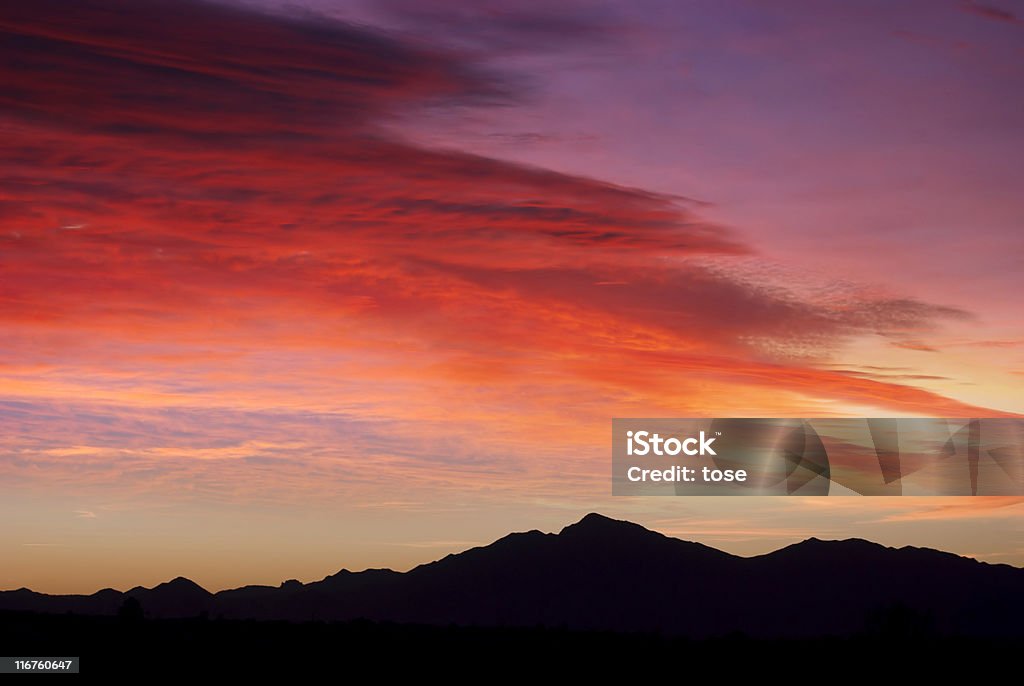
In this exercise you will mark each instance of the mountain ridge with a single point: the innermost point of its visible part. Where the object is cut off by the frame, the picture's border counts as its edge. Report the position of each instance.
(608, 574)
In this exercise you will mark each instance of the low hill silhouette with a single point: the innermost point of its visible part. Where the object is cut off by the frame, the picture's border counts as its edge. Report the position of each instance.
(605, 574)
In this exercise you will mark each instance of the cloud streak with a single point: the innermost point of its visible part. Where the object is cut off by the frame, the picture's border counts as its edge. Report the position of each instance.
(978, 507)
(212, 213)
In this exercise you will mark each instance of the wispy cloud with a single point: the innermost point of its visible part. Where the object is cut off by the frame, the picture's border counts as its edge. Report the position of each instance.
(962, 508)
(991, 12)
(269, 288)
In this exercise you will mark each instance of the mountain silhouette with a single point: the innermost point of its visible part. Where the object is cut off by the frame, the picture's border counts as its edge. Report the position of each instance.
(606, 574)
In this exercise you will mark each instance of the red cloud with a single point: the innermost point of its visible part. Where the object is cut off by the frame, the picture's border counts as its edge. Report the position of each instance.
(191, 184)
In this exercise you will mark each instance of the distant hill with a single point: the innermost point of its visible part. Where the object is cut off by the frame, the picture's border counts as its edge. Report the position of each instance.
(605, 574)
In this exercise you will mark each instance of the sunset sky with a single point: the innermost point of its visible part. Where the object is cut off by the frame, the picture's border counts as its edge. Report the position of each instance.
(287, 287)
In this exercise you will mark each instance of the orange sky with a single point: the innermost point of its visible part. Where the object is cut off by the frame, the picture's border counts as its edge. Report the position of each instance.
(278, 296)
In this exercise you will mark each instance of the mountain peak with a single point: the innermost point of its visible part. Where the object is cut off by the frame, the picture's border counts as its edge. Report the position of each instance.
(817, 547)
(182, 584)
(839, 542)
(595, 523)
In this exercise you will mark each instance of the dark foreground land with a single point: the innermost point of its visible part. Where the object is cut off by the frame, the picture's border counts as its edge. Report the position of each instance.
(144, 648)
(601, 597)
